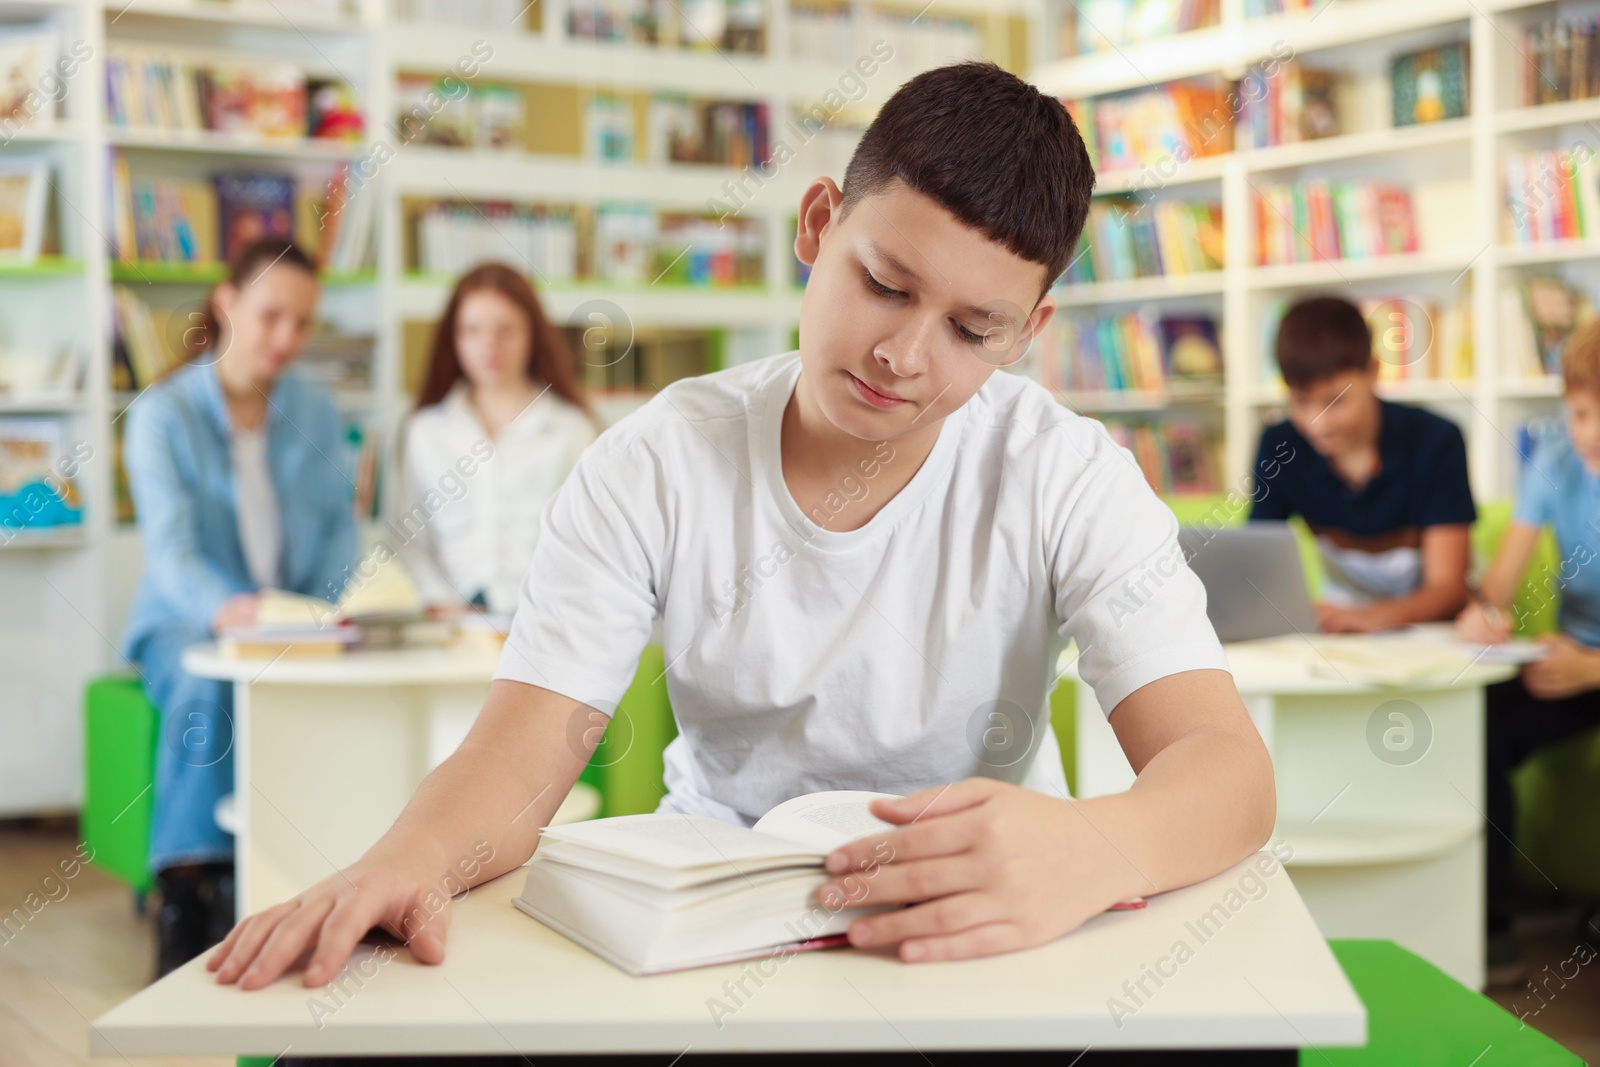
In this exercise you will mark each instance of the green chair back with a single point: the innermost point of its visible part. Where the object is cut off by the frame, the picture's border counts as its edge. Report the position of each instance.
(119, 749)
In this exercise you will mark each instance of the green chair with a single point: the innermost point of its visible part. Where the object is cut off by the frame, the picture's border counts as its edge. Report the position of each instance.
(1558, 790)
(119, 733)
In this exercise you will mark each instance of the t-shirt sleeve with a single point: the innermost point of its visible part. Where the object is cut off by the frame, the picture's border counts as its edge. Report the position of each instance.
(1268, 501)
(1446, 497)
(585, 607)
(1537, 490)
(1123, 590)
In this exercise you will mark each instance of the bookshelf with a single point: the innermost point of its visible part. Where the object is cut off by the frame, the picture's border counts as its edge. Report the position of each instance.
(1455, 168)
(67, 591)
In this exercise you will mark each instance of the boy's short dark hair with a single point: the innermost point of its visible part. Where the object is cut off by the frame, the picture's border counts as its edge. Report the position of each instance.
(993, 150)
(1320, 337)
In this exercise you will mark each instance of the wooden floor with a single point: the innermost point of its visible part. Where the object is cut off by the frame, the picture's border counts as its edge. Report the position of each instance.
(88, 950)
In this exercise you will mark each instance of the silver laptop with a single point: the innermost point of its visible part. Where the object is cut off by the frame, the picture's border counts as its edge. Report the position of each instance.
(1255, 586)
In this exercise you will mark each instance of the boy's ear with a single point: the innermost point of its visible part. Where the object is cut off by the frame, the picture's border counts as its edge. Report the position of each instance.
(821, 204)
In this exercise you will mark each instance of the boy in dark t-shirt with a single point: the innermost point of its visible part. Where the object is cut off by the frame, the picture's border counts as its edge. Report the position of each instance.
(1382, 486)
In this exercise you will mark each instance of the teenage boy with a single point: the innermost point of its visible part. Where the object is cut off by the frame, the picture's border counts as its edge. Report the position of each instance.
(867, 556)
(1382, 486)
(1558, 696)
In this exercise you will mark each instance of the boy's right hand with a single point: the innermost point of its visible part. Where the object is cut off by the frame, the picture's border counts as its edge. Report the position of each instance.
(1482, 625)
(328, 920)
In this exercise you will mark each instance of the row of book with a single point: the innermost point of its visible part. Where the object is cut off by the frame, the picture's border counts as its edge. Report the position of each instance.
(1175, 455)
(837, 38)
(636, 244)
(1537, 315)
(730, 25)
(1273, 104)
(1559, 60)
(1550, 196)
(168, 89)
(453, 113)
(453, 237)
(1125, 239)
(170, 220)
(1139, 350)
(1180, 120)
(1104, 25)
(1292, 103)
(678, 130)
(1316, 220)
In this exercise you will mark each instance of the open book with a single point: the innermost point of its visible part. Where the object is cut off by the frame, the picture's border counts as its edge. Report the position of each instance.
(666, 892)
(376, 605)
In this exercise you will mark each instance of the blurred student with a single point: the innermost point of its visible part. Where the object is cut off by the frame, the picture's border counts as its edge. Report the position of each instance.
(232, 466)
(1558, 696)
(500, 422)
(1382, 486)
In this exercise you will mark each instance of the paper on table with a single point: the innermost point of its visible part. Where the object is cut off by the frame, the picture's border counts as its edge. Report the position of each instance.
(1515, 650)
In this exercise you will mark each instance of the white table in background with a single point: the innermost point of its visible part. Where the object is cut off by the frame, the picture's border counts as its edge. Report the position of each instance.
(1264, 979)
(1382, 848)
(327, 751)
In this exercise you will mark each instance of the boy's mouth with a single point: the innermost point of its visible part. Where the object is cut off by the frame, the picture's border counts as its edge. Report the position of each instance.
(875, 397)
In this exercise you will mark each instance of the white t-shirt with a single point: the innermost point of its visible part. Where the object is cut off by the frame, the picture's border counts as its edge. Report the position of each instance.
(256, 507)
(916, 651)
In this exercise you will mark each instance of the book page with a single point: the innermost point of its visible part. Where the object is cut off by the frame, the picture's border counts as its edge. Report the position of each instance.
(824, 821)
(674, 841)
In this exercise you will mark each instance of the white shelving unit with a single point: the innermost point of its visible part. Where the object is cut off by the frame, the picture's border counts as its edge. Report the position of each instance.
(65, 596)
(1360, 37)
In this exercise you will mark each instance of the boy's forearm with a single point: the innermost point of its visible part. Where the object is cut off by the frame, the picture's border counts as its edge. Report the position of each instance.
(1201, 804)
(494, 793)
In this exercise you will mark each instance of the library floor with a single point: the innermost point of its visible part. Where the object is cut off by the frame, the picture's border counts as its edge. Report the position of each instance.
(88, 950)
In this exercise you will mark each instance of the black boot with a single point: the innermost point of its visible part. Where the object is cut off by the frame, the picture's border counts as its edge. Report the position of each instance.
(181, 920)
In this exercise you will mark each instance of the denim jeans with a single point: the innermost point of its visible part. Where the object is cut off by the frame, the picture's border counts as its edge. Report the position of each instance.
(194, 751)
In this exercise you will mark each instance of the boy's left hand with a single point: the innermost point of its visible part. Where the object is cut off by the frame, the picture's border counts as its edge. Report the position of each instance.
(988, 866)
(1568, 669)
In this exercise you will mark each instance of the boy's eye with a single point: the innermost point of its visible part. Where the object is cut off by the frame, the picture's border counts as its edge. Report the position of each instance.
(877, 286)
(968, 336)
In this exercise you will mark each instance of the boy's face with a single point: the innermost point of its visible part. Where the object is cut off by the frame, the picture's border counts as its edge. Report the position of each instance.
(907, 311)
(1336, 414)
(1583, 426)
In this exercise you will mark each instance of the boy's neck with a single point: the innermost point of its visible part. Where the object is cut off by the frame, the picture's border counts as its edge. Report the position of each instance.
(841, 481)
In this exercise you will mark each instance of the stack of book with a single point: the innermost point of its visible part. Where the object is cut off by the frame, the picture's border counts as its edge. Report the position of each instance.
(1178, 121)
(1537, 315)
(1559, 61)
(1124, 239)
(1137, 350)
(450, 113)
(453, 237)
(1104, 25)
(1430, 85)
(1321, 220)
(1175, 455)
(167, 89)
(727, 133)
(36, 491)
(1293, 103)
(1550, 196)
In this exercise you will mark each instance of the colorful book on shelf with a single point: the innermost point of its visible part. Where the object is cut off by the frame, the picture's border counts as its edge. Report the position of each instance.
(1290, 104)
(1177, 121)
(1105, 25)
(1559, 60)
(36, 491)
(1318, 219)
(1429, 85)
(1123, 239)
(141, 347)
(1139, 350)
(1175, 455)
(23, 203)
(28, 51)
(252, 205)
(1537, 315)
(1551, 196)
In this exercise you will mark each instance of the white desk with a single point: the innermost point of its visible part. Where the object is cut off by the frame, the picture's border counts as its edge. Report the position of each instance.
(1387, 848)
(327, 751)
(1263, 979)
